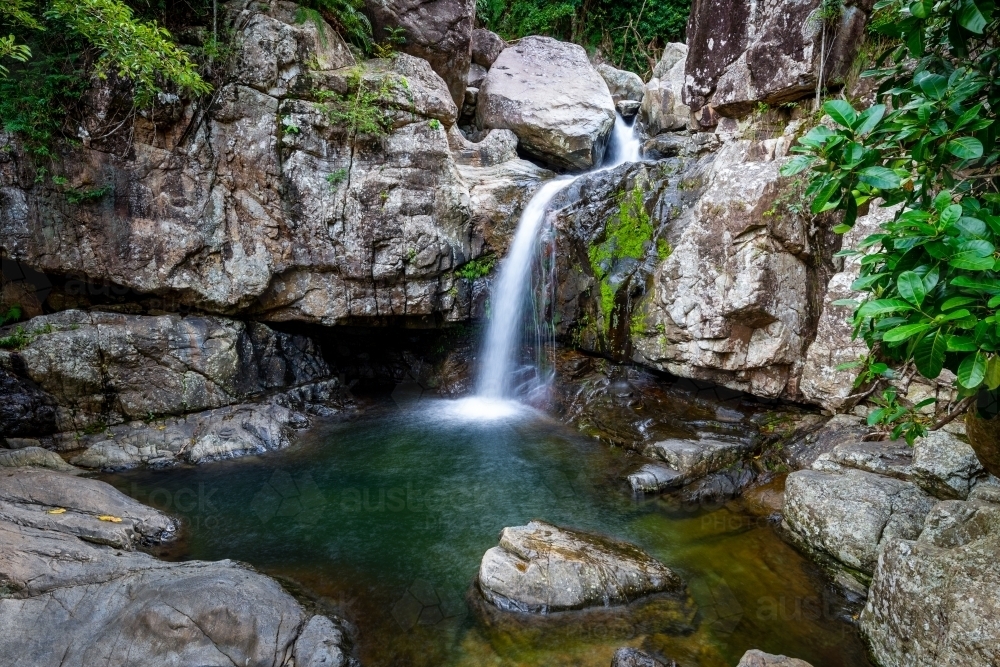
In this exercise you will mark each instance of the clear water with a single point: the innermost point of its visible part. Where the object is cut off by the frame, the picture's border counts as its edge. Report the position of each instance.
(386, 518)
(518, 333)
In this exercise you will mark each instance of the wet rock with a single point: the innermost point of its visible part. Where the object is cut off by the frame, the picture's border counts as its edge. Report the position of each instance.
(46, 500)
(540, 568)
(841, 429)
(933, 599)
(627, 109)
(655, 477)
(212, 435)
(755, 658)
(633, 657)
(440, 32)
(622, 84)
(548, 93)
(322, 643)
(486, 47)
(34, 457)
(105, 368)
(26, 408)
(741, 54)
(844, 515)
(498, 193)
(693, 459)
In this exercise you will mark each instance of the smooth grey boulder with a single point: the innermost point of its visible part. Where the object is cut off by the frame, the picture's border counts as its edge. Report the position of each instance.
(549, 94)
(486, 47)
(933, 600)
(622, 84)
(68, 505)
(673, 53)
(755, 658)
(945, 466)
(34, 457)
(105, 368)
(490, 148)
(195, 438)
(438, 31)
(655, 477)
(844, 515)
(541, 568)
(321, 644)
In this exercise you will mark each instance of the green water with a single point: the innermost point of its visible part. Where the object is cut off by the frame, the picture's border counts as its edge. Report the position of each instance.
(385, 519)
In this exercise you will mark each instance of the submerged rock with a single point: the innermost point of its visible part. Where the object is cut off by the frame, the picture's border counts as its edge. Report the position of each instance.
(693, 459)
(549, 94)
(755, 658)
(933, 600)
(540, 568)
(633, 657)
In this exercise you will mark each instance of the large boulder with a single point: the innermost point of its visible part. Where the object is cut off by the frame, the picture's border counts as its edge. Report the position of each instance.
(755, 658)
(74, 586)
(549, 94)
(104, 368)
(541, 568)
(842, 516)
(663, 108)
(486, 47)
(622, 84)
(265, 204)
(933, 600)
(743, 54)
(733, 302)
(439, 31)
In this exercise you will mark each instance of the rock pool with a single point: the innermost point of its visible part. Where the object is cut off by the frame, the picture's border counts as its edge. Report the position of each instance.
(384, 520)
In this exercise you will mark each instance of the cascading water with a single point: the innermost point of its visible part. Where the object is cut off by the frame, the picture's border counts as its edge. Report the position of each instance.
(501, 357)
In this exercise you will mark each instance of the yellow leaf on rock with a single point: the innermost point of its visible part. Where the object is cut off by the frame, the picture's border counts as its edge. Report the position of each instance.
(108, 517)
(58, 510)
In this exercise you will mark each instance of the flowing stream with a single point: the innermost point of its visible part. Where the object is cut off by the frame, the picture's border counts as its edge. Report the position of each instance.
(502, 371)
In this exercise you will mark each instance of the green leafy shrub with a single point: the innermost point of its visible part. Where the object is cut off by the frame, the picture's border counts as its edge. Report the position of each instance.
(362, 111)
(477, 268)
(932, 274)
(347, 16)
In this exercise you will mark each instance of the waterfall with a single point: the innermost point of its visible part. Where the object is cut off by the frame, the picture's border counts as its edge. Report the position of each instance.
(502, 372)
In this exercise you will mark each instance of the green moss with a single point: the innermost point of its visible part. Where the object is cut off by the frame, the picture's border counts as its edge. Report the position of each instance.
(16, 340)
(626, 235)
(663, 249)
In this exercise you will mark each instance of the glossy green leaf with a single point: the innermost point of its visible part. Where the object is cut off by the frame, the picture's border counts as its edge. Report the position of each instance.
(971, 261)
(992, 378)
(930, 353)
(879, 177)
(932, 85)
(972, 371)
(883, 307)
(899, 334)
(966, 148)
(869, 118)
(911, 287)
(841, 112)
(970, 18)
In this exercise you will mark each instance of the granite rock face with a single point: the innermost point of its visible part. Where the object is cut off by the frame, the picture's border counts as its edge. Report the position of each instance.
(663, 107)
(439, 31)
(735, 302)
(549, 94)
(486, 47)
(261, 206)
(933, 598)
(104, 368)
(541, 568)
(743, 53)
(622, 84)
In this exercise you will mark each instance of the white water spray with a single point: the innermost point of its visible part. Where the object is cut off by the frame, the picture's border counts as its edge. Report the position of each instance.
(501, 353)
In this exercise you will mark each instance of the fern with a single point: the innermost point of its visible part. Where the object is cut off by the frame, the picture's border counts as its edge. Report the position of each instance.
(345, 15)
